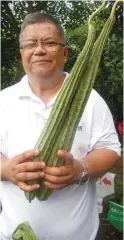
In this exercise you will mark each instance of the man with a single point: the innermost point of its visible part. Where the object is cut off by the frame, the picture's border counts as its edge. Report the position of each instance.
(70, 213)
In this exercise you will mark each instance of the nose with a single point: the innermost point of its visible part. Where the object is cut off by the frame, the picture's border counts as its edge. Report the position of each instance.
(40, 49)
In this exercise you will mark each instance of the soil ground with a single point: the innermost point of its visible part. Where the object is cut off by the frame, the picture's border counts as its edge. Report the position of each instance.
(107, 231)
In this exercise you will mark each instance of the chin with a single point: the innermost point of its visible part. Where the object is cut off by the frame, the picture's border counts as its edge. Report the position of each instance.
(42, 73)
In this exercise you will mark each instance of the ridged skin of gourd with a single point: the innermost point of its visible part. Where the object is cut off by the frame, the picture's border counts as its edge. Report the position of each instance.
(61, 106)
(64, 141)
(63, 137)
(80, 63)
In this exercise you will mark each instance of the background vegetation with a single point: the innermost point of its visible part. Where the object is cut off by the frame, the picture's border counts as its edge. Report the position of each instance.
(73, 15)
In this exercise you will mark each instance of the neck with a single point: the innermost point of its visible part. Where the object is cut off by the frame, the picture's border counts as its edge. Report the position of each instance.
(46, 88)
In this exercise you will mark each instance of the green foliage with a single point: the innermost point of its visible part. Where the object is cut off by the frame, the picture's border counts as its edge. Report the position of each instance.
(75, 39)
(13, 74)
(109, 82)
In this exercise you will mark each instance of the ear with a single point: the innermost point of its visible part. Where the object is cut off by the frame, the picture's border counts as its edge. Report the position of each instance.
(65, 52)
(21, 52)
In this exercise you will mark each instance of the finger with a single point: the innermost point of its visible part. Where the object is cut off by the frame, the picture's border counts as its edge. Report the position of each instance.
(58, 180)
(66, 156)
(56, 171)
(24, 176)
(54, 186)
(28, 188)
(26, 155)
(29, 166)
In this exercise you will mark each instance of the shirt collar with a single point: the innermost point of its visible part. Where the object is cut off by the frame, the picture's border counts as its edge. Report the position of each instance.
(26, 92)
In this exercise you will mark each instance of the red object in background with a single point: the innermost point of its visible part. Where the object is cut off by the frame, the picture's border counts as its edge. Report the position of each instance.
(106, 181)
(120, 127)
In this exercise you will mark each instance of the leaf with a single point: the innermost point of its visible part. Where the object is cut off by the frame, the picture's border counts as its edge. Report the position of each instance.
(24, 232)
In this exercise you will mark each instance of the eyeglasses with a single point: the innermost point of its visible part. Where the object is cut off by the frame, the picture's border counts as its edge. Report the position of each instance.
(47, 45)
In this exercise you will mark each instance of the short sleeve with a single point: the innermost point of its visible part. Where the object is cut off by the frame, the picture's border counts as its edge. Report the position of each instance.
(1, 141)
(104, 134)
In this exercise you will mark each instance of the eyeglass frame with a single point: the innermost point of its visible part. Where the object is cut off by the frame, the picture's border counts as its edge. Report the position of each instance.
(42, 43)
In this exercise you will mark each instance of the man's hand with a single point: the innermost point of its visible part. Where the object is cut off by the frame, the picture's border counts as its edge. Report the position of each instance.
(59, 177)
(19, 170)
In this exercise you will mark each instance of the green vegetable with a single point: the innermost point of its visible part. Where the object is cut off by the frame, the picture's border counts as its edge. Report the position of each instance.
(24, 232)
(60, 129)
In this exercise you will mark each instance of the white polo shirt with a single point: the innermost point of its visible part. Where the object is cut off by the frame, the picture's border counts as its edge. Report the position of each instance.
(70, 213)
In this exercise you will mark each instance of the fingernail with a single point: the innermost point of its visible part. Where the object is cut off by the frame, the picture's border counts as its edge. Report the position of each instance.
(36, 152)
(59, 151)
(37, 186)
(42, 164)
(41, 174)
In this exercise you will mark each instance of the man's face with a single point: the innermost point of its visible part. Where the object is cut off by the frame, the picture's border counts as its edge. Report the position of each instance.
(42, 60)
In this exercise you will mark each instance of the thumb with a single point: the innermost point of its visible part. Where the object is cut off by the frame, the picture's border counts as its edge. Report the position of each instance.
(66, 156)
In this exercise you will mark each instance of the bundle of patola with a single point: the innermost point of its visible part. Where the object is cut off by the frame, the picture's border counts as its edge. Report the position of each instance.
(60, 129)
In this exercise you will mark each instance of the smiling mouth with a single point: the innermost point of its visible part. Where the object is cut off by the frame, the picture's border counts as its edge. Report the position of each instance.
(42, 61)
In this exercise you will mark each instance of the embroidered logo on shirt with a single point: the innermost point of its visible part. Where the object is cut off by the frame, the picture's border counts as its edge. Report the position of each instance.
(79, 128)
